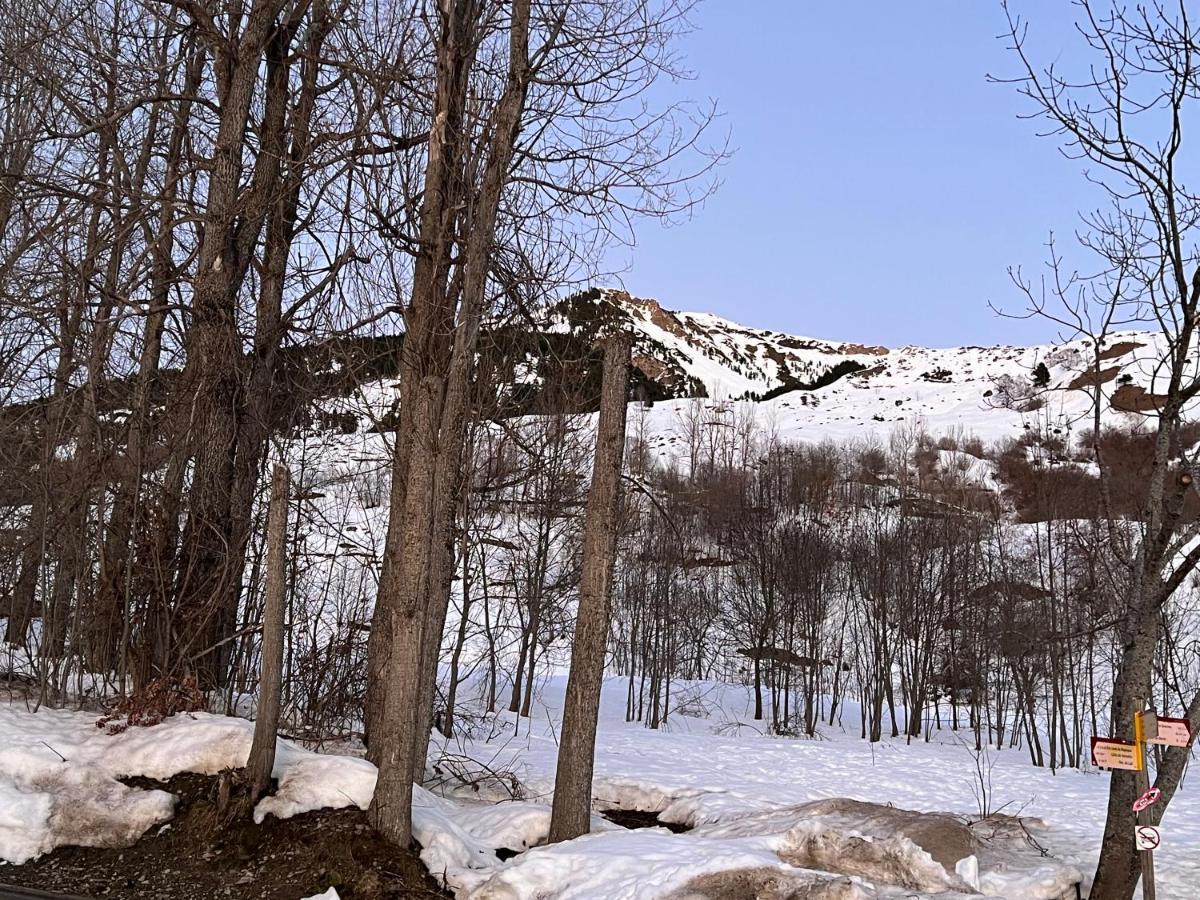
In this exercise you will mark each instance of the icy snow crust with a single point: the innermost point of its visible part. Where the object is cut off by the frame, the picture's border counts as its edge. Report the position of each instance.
(745, 793)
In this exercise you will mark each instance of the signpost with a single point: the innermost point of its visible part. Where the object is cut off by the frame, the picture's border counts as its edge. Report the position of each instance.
(1145, 728)
(1114, 753)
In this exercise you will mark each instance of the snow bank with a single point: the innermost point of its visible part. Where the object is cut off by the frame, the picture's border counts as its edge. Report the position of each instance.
(621, 865)
(928, 852)
(703, 771)
(59, 777)
(827, 849)
(59, 786)
(918, 851)
(761, 806)
(311, 781)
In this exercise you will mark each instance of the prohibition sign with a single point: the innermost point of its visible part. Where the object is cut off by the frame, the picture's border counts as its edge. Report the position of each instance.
(1148, 837)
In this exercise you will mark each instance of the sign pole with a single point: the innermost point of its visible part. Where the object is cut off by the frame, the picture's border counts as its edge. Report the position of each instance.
(1145, 727)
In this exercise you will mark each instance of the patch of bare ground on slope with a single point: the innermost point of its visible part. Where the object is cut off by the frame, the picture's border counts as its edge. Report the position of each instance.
(210, 852)
(636, 818)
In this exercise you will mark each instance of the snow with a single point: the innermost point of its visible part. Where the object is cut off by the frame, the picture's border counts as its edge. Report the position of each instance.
(756, 802)
(947, 392)
(622, 866)
(59, 776)
(711, 772)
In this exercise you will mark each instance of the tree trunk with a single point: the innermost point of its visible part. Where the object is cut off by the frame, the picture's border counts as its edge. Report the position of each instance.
(401, 590)
(214, 375)
(479, 233)
(425, 320)
(576, 752)
(266, 724)
(1120, 868)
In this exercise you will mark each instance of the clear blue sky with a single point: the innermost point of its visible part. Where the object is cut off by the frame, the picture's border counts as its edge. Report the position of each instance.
(881, 186)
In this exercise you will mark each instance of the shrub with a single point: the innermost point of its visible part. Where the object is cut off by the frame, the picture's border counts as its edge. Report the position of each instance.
(158, 700)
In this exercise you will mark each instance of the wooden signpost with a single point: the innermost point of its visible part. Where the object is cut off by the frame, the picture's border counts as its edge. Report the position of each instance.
(1114, 753)
(1145, 728)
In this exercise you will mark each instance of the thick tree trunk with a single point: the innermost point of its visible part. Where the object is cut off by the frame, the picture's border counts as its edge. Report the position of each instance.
(414, 586)
(393, 737)
(214, 375)
(479, 231)
(1119, 869)
(292, 140)
(426, 319)
(576, 751)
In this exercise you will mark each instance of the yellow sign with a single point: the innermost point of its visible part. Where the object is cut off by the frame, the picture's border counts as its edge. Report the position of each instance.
(1113, 753)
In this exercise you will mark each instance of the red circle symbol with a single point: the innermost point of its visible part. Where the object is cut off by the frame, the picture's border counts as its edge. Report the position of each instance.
(1148, 837)
(1147, 799)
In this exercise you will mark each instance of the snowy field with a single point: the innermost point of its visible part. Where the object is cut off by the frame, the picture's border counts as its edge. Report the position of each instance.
(712, 771)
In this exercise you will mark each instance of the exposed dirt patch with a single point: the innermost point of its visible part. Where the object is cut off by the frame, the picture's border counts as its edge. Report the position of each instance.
(861, 350)
(636, 818)
(1133, 398)
(877, 842)
(1119, 349)
(652, 368)
(658, 316)
(768, 884)
(1092, 378)
(202, 852)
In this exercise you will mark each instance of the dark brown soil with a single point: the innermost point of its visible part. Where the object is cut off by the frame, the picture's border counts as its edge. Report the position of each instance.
(636, 818)
(207, 852)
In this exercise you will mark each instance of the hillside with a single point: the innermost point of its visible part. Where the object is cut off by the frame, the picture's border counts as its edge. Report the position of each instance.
(806, 388)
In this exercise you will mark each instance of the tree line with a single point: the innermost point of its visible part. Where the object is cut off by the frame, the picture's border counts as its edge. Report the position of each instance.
(191, 187)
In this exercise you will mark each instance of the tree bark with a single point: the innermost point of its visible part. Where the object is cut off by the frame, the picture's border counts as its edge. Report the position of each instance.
(1119, 869)
(394, 734)
(266, 724)
(479, 232)
(576, 752)
(214, 375)
(424, 341)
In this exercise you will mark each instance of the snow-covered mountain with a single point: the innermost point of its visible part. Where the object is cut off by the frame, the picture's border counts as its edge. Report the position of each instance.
(814, 389)
(700, 354)
(700, 368)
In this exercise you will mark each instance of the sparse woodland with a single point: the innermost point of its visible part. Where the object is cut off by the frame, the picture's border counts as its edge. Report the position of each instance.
(205, 205)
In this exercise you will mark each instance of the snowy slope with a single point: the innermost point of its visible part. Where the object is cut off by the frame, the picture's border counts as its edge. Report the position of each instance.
(845, 392)
(725, 358)
(722, 359)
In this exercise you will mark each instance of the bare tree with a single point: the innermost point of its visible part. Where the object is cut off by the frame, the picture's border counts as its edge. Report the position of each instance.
(552, 80)
(1125, 118)
(266, 726)
(576, 749)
